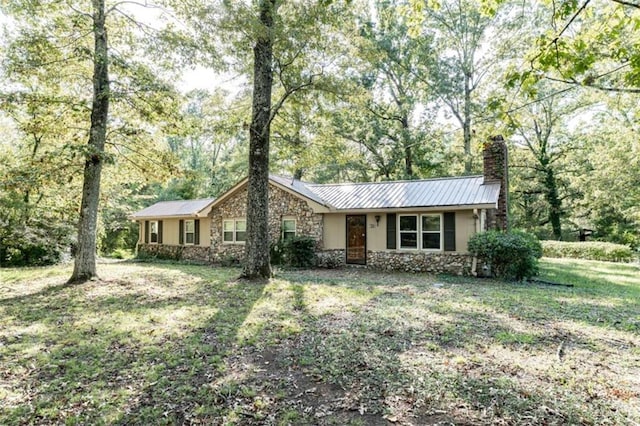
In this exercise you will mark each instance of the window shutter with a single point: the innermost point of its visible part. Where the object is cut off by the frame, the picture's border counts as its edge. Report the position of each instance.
(159, 232)
(449, 231)
(146, 232)
(196, 230)
(181, 232)
(391, 230)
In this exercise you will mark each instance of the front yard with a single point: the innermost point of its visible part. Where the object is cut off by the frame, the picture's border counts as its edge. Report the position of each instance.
(180, 344)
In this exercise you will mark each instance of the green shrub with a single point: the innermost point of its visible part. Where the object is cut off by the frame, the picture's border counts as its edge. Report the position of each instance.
(511, 255)
(33, 245)
(588, 250)
(299, 252)
(121, 253)
(276, 253)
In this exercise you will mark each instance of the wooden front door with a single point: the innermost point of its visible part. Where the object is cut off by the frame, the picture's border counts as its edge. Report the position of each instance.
(357, 239)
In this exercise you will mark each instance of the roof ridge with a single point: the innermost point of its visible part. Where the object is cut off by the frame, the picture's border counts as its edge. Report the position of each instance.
(394, 181)
(189, 200)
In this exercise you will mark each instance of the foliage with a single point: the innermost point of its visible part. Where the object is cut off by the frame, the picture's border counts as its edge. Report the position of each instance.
(591, 43)
(172, 343)
(511, 255)
(588, 250)
(298, 251)
(38, 244)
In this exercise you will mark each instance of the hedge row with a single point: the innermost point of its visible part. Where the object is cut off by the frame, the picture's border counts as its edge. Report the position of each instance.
(590, 250)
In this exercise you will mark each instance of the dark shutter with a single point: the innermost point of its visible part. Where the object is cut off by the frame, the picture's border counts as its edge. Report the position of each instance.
(391, 230)
(196, 229)
(181, 232)
(449, 231)
(146, 232)
(159, 232)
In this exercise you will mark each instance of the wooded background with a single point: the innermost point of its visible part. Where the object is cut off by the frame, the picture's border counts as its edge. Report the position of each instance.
(362, 91)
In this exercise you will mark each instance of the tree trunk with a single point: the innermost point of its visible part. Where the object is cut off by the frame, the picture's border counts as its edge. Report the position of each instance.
(257, 245)
(408, 155)
(85, 257)
(466, 125)
(555, 204)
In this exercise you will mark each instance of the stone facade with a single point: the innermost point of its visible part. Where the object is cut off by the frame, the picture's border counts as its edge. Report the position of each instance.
(435, 263)
(330, 258)
(282, 205)
(198, 254)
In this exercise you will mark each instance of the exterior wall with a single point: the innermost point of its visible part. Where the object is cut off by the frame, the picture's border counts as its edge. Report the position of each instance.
(376, 232)
(335, 236)
(335, 230)
(191, 253)
(465, 229)
(171, 229)
(437, 263)
(282, 205)
(170, 232)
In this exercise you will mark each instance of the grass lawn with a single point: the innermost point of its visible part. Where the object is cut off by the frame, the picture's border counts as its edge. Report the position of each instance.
(180, 344)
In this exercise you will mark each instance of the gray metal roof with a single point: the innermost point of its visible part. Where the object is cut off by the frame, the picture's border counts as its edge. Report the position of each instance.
(174, 208)
(457, 191)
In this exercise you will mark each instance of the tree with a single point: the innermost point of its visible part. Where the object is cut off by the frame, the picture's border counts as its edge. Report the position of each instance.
(257, 245)
(288, 57)
(471, 43)
(593, 43)
(48, 66)
(385, 110)
(611, 182)
(84, 267)
(542, 158)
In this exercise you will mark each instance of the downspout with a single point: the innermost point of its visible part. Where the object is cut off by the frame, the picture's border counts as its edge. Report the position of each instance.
(474, 261)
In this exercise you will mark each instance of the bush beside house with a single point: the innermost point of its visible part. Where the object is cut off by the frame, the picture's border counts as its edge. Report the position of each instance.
(511, 255)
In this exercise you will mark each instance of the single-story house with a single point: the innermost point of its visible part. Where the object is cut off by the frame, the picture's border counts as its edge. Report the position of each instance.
(176, 229)
(415, 225)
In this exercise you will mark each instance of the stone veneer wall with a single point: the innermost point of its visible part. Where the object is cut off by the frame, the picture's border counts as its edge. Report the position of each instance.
(436, 263)
(282, 204)
(188, 253)
(330, 258)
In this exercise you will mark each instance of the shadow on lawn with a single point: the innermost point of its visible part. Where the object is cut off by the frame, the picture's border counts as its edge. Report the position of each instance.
(264, 355)
(102, 359)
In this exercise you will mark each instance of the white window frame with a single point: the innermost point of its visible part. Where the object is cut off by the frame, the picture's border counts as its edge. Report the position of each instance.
(186, 232)
(234, 231)
(151, 226)
(285, 231)
(440, 231)
(420, 233)
(417, 232)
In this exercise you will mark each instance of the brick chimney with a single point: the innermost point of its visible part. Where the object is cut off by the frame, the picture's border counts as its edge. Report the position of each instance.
(496, 170)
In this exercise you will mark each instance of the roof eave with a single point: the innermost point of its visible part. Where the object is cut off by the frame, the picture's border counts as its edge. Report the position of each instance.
(415, 208)
(162, 217)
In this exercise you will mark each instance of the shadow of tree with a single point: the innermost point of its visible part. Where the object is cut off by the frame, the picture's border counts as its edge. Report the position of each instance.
(336, 350)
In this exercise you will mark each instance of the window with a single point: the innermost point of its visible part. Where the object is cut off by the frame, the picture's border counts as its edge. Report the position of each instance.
(234, 231)
(420, 232)
(153, 231)
(431, 231)
(409, 232)
(189, 232)
(288, 229)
